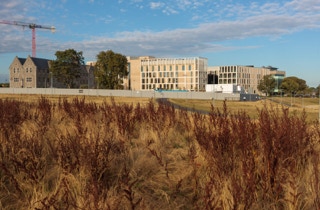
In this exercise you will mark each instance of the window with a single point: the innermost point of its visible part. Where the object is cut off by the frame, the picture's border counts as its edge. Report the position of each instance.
(170, 68)
(16, 79)
(27, 70)
(189, 67)
(164, 68)
(29, 79)
(182, 67)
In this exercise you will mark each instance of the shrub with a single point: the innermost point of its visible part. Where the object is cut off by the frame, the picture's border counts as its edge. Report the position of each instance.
(80, 155)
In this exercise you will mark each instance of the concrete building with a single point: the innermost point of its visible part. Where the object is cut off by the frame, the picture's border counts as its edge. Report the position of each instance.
(151, 73)
(33, 72)
(247, 77)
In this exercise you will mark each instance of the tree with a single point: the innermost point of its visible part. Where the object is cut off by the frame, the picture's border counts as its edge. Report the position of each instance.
(293, 85)
(66, 67)
(110, 70)
(267, 84)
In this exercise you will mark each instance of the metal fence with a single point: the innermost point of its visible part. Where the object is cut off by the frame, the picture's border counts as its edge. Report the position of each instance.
(123, 93)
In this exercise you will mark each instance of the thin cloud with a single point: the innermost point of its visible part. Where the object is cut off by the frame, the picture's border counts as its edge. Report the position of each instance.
(203, 38)
(251, 20)
(156, 5)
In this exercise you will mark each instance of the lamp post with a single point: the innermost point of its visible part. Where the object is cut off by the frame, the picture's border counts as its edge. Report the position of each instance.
(51, 80)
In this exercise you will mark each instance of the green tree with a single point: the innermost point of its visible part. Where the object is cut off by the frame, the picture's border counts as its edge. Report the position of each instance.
(267, 84)
(66, 67)
(293, 85)
(110, 70)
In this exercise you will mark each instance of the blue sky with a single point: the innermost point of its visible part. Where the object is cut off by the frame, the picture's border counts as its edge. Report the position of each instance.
(281, 33)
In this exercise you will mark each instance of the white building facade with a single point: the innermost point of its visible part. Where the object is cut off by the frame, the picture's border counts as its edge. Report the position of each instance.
(150, 73)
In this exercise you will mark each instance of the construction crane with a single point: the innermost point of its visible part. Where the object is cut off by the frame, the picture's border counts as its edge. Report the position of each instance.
(33, 27)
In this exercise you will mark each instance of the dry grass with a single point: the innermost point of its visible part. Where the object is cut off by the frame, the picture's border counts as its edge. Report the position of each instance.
(308, 105)
(56, 98)
(73, 153)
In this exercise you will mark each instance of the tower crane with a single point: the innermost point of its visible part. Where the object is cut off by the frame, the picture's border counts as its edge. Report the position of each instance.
(33, 27)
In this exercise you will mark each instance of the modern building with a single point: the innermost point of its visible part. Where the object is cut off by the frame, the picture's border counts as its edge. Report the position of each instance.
(33, 72)
(248, 77)
(151, 73)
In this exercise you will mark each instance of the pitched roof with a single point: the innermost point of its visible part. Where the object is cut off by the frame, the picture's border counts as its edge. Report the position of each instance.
(41, 63)
(22, 60)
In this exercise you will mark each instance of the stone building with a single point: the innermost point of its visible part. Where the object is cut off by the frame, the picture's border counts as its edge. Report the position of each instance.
(33, 72)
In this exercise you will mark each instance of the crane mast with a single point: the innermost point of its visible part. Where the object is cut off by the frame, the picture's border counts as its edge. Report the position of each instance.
(33, 27)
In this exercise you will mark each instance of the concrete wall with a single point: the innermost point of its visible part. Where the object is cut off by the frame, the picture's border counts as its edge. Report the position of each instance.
(122, 93)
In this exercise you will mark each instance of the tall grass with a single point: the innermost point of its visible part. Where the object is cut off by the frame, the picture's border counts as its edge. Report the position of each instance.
(81, 155)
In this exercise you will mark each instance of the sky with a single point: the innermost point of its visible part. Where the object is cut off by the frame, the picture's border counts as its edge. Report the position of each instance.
(279, 33)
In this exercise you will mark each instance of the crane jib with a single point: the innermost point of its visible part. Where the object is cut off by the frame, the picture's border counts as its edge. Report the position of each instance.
(31, 26)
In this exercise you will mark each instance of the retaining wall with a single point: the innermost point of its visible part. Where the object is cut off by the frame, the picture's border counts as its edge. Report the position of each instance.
(122, 93)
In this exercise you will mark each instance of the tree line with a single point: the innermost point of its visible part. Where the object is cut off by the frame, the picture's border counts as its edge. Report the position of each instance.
(110, 68)
(290, 85)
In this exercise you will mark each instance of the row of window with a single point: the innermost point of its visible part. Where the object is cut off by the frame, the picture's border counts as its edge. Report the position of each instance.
(233, 75)
(228, 69)
(169, 80)
(164, 86)
(165, 61)
(169, 87)
(164, 74)
(164, 68)
(28, 79)
(17, 70)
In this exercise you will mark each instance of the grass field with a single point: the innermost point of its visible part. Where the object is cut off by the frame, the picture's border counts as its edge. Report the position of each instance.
(132, 153)
(56, 98)
(298, 105)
